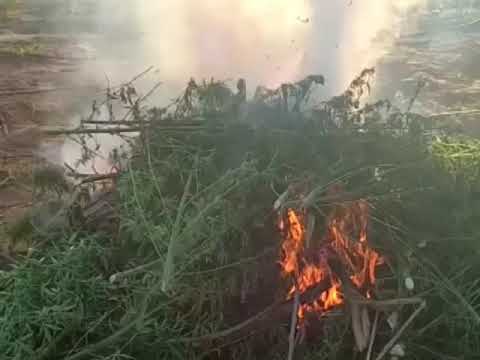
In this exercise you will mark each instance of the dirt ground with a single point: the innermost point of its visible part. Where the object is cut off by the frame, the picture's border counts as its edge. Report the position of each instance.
(38, 87)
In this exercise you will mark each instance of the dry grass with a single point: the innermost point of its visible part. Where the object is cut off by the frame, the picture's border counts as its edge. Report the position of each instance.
(17, 168)
(22, 49)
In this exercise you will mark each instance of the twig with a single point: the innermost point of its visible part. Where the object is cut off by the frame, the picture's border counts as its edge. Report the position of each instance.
(355, 297)
(279, 306)
(99, 177)
(293, 324)
(111, 122)
(474, 22)
(142, 99)
(91, 131)
(373, 335)
(251, 259)
(420, 86)
(459, 112)
(382, 304)
(138, 76)
(430, 324)
(400, 331)
(114, 131)
(92, 154)
(130, 82)
(6, 181)
(160, 122)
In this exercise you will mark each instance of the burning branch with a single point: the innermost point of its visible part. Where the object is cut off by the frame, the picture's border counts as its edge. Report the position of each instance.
(271, 316)
(346, 237)
(293, 324)
(345, 261)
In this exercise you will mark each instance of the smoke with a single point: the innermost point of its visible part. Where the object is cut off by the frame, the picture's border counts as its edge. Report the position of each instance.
(264, 41)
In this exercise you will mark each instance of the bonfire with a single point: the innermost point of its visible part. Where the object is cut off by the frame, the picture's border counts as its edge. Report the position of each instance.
(194, 263)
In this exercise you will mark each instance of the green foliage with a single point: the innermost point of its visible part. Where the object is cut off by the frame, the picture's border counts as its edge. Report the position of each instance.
(51, 298)
(459, 156)
(196, 231)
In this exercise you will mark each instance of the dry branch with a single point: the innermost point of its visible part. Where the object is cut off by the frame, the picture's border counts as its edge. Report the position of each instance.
(113, 131)
(293, 324)
(147, 122)
(458, 112)
(91, 131)
(273, 315)
(100, 177)
(373, 335)
(113, 122)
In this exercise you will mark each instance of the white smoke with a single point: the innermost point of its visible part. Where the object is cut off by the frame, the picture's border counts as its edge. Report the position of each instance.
(264, 41)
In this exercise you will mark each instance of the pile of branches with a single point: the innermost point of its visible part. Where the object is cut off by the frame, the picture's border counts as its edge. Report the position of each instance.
(188, 266)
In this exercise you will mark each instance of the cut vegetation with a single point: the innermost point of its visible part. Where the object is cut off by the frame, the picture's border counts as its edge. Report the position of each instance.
(184, 253)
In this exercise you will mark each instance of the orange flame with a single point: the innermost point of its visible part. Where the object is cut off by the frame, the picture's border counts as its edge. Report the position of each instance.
(347, 235)
(293, 244)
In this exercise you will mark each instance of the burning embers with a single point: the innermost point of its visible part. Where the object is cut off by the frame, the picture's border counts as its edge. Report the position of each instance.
(345, 238)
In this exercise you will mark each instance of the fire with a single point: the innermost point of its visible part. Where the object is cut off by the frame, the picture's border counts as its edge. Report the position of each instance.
(346, 234)
(294, 242)
(332, 297)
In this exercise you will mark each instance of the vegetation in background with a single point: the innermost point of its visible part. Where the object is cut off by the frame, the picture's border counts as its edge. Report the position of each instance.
(7, 7)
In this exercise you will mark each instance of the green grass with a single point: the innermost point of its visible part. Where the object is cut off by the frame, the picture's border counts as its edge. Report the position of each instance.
(52, 297)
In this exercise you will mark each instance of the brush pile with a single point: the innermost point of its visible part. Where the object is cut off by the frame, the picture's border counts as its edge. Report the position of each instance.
(262, 229)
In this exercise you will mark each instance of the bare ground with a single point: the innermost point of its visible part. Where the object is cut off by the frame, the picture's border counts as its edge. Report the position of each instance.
(38, 87)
